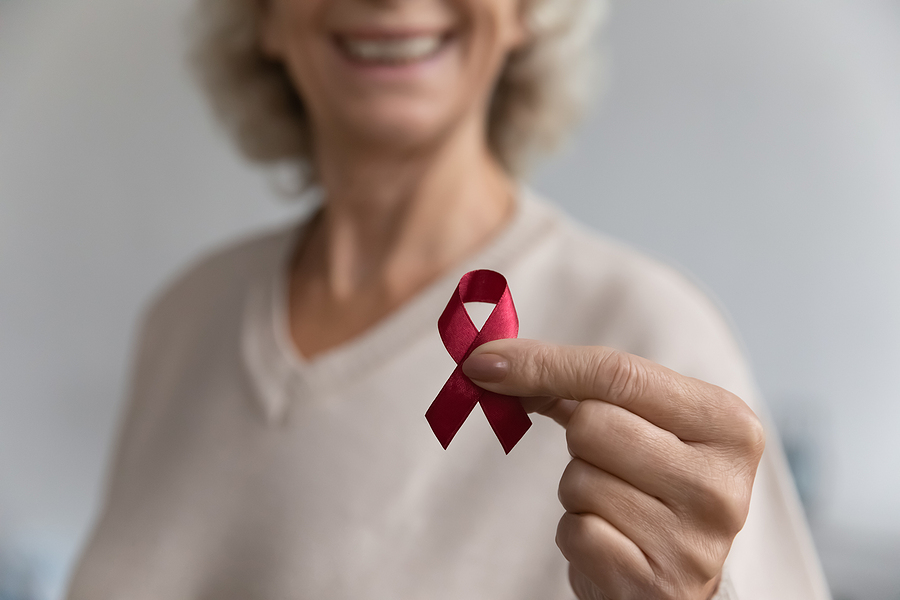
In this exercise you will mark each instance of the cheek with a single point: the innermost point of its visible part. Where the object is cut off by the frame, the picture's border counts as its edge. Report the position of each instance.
(493, 31)
(300, 44)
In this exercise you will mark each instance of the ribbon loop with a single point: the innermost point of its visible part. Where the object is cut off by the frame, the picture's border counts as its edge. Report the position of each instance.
(459, 395)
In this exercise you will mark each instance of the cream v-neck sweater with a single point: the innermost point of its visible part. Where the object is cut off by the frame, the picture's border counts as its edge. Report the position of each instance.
(245, 472)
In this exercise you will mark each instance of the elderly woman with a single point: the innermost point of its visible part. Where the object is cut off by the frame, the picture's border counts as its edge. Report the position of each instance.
(275, 445)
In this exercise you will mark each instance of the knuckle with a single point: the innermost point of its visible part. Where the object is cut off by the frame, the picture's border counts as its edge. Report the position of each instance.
(576, 535)
(701, 561)
(690, 566)
(573, 487)
(752, 433)
(543, 361)
(570, 534)
(746, 430)
(618, 377)
(721, 504)
(584, 427)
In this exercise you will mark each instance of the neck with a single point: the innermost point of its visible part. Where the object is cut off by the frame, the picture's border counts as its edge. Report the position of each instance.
(392, 223)
(396, 220)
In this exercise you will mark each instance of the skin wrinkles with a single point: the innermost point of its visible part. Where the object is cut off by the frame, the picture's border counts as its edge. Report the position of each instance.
(649, 515)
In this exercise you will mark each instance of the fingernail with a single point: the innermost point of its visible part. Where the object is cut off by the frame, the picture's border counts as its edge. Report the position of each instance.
(489, 368)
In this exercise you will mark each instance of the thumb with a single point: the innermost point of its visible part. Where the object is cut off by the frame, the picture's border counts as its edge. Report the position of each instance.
(518, 367)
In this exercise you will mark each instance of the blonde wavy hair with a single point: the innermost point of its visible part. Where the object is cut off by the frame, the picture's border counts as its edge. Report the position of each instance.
(539, 95)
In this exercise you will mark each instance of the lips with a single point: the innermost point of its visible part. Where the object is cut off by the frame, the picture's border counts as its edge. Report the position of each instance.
(391, 49)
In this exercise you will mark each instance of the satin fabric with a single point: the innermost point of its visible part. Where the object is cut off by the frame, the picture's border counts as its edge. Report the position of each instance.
(459, 395)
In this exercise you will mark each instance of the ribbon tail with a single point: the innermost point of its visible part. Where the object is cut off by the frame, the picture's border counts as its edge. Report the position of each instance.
(452, 407)
(507, 417)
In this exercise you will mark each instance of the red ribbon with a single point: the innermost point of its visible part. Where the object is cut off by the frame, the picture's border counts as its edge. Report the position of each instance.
(459, 395)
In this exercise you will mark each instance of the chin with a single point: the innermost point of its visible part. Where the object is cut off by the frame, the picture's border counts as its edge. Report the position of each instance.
(402, 125)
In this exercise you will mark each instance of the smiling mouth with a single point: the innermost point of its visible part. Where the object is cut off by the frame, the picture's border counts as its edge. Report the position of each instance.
(392, 50)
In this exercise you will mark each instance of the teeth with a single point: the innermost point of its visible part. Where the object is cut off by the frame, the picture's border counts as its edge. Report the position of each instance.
(397, 50)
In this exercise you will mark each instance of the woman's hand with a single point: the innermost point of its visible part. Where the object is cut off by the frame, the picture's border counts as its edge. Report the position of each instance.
(662, 468)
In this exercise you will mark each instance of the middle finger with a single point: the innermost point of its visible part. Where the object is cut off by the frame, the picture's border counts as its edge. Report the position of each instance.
(584, 488)
(619, 442)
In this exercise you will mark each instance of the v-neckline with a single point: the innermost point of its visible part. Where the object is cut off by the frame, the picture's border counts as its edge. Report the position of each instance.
(279, 372)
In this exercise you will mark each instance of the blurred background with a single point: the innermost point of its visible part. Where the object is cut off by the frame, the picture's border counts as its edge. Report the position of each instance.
(754, 143)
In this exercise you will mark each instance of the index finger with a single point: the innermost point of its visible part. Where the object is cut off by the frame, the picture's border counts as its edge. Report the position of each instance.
(691, 409)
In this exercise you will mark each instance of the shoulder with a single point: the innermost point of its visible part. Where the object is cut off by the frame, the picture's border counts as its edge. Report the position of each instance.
(594, 290)
(209, 293)
(639, 289)
(192, 325)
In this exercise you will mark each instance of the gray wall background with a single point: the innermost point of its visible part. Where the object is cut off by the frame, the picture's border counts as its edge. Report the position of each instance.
(754, 143)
